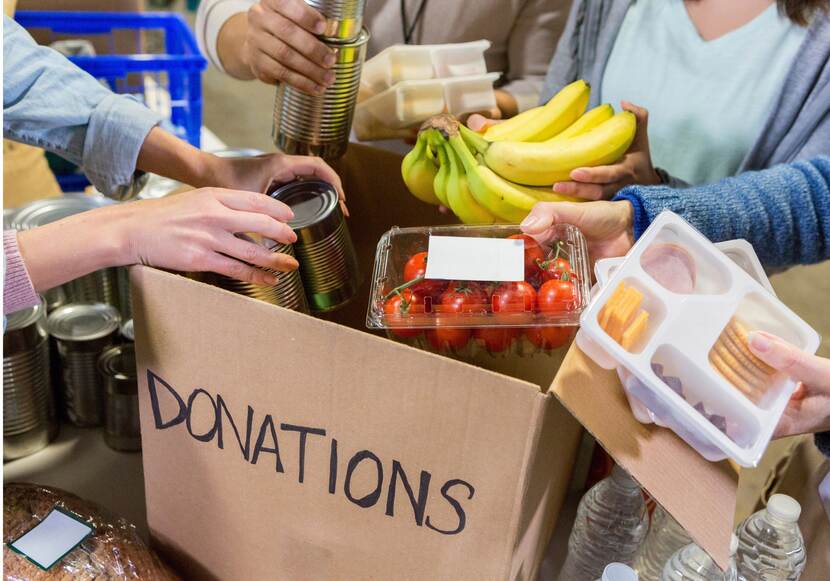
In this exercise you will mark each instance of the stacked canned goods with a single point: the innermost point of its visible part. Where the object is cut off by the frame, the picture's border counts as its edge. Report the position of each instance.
(83, 332)
(320, 125)
(29, 414)
(122, 430)
(288, 292)
(328, 263)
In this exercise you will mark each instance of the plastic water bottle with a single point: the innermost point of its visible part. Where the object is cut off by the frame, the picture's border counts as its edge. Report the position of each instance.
(618, 572)
(611, 523)
(691, 563)
(770, 545)
(665, 537)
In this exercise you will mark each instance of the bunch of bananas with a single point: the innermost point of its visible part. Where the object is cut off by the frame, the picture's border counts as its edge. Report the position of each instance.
(497, 177)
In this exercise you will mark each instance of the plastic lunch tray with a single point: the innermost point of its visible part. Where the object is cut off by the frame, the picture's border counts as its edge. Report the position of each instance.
(682, 330)
(410, 102)
(420, 62)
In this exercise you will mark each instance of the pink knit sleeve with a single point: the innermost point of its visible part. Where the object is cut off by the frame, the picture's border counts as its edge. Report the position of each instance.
(18, 291)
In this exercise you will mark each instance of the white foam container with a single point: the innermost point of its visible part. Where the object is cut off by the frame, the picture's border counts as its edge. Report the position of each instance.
(411, 102)
(682, 329)
(403, 62)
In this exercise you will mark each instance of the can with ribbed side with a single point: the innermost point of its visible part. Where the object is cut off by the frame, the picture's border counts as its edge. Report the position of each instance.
(128, 332)
(122, 430)
(287, 293)
(328, 262)
(125, 300)
(320, 125)
(29, 415)
(344, 18)
(83, 332)
(98, 286)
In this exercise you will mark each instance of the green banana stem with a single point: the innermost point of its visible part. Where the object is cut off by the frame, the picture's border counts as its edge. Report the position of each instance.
(461, 149)
(473, 139)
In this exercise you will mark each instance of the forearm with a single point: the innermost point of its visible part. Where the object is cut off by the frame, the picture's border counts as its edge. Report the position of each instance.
(229, 47)
(70, 248)
(784, 212)
(167, 155)
(221, 26)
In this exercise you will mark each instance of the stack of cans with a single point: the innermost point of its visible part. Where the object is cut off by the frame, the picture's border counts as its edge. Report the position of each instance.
(29, 413)
(328, 262)
(287, 293)
(320, 125)
(122, 429)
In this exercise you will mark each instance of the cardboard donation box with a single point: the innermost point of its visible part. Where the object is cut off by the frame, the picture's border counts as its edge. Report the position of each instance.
(283, 446)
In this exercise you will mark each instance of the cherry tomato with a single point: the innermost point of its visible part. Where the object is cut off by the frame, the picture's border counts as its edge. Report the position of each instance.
(415, 267)
(401, 305)
(556, 269)
(533, 254)
(464, 298)
(557, 296)
(514, 297)
(443, 338)
(549, 337)
(496, 339)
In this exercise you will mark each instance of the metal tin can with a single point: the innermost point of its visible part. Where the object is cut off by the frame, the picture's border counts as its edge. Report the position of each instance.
(125, 298)
(288, 292)
(328, 262)
(83, 332)
(320, 125)
(98, 287)
(122, 430)
(344, 18)
(29, 414)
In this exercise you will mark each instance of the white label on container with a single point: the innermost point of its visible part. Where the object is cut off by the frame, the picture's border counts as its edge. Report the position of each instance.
(480, 259)
(51, 539)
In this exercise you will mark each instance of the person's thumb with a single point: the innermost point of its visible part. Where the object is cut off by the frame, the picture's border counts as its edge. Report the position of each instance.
(546, 214)
(479, 123)
(800, 366)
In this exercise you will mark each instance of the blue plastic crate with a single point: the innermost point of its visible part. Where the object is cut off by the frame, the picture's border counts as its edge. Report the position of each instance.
(166, 72)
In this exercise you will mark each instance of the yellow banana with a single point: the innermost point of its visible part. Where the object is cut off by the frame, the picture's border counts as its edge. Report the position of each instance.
(585, 123)
(443, 175)
(510, 205)
(558, 114)
(461, 200)
(418, 170)
(543, 164)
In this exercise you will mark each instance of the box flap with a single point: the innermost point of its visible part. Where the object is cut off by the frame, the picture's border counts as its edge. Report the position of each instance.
(320, 410)
(701, 495)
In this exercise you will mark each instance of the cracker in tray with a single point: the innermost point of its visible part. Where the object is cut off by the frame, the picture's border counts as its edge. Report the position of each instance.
(731, 357)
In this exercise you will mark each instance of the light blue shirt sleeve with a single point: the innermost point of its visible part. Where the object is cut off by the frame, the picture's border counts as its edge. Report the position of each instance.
(50, 103)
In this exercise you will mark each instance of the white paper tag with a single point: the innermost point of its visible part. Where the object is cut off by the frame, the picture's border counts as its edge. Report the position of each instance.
(479, 259)
(51, 539)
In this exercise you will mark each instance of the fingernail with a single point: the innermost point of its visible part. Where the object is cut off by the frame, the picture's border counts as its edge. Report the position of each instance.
(759, 342)
(293, 264)
(293, 237)
(319, 90)
(320, 27)
(579, 174)
(529, 221)
(559, 187)
(270, 279)
(330, 60)
(329, 78)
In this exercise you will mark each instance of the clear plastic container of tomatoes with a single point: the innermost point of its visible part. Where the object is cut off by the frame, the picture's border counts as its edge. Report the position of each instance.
(535, 310)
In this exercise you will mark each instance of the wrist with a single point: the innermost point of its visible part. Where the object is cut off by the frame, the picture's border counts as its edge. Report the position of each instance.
(115, 227)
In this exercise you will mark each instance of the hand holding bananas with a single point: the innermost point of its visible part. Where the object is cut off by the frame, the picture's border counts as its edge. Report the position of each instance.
(603, 182)
(500, 175)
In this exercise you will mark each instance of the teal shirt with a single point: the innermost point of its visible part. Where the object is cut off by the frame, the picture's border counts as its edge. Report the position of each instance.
(707, 101)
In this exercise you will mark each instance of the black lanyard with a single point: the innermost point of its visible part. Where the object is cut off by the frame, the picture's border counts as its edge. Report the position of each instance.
(408, 30)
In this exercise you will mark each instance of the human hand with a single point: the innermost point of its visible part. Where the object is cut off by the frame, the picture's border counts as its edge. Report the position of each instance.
(480, 123)
(280, 45)
(256, 174)
(809, 408)
(607, 226)
(602, 182)
(195, 232)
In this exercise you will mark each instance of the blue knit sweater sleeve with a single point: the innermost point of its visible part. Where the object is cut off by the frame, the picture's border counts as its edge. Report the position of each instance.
(784, 211)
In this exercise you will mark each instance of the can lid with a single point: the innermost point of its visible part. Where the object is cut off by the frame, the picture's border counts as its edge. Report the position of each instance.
(311, 200)
(83, 322)
(127, 330)
(50, 210)
(119, 362)
(24, 318)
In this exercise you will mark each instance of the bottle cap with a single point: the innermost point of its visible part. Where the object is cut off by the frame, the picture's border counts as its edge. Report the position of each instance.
(784, 507)
(619, 572)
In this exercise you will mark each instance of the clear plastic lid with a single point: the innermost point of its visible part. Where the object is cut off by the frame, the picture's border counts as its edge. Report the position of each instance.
(478, 276)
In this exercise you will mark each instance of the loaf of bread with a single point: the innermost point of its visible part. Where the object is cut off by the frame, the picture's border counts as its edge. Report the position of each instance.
(114, 551)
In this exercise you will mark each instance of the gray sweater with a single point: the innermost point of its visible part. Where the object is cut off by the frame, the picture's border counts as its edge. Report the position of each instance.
(799, 126)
